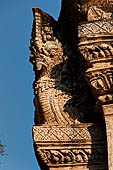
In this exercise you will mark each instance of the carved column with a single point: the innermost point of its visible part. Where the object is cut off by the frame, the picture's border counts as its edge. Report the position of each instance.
(72, 61)
(108, 114)
(96, 48)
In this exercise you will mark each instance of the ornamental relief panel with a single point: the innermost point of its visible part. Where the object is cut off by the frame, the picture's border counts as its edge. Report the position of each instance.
(66, 156)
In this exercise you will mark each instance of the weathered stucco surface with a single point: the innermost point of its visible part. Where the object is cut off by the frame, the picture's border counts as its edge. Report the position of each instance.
(73, 64)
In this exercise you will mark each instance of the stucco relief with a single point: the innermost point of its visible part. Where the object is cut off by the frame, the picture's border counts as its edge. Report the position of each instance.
(73, 64)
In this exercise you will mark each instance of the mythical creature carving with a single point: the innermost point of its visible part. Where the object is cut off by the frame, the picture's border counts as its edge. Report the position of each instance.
(73, 65)
(60, 89)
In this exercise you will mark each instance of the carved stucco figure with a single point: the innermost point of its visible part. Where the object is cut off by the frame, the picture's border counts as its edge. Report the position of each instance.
(60, 88)
(72, 60)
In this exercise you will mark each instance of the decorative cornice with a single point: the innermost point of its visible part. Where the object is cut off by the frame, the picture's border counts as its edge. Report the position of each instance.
(79, 146)
(96, 29)
(80, 133)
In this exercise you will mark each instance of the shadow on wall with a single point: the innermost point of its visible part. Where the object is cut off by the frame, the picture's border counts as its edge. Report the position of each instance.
(98, 158)
(70, 80)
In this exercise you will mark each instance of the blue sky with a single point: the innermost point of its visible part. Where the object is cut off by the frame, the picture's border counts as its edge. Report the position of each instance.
(16, 75)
